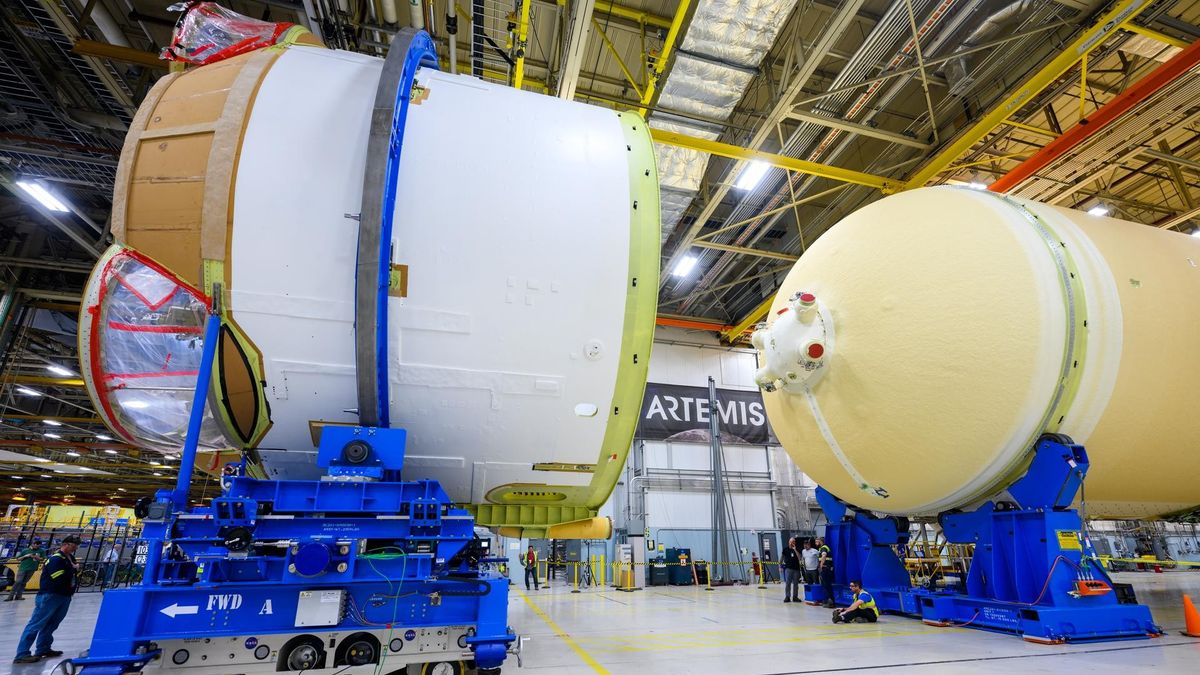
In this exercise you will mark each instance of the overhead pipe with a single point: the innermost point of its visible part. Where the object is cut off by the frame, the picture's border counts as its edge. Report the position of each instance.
(1181, 64)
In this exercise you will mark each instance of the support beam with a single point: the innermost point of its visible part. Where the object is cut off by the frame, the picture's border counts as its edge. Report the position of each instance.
(522, 39)
(790, 163)
(861, 129)
(756, 315)
(103, 50)
(1173, 222)
(579, 28)
(1174, 160)
(1114, 19)
(44, 381)
(1156, 35)
(1115, 109)
(691, 324)
(632, 14)
(612, 50)
(1181, 185)
(746, 251)
(664, 57)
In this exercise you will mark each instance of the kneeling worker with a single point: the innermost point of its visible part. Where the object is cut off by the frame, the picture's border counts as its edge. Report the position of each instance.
(862, 610)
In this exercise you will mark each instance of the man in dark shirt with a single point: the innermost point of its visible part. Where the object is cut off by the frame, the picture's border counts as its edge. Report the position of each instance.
(28, 561)
(790, 563)
(53, 599)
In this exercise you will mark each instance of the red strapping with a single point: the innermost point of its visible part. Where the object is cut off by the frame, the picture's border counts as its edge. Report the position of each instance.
(196, 330)
(138, 376)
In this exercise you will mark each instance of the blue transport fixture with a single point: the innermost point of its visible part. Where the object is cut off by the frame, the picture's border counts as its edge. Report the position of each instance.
(359, 572)
(1033, 573)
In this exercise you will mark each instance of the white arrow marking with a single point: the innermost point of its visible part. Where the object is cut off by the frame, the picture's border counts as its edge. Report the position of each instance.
(175, 610)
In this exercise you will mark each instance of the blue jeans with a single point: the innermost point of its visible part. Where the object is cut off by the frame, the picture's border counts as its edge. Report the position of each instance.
(50, 610)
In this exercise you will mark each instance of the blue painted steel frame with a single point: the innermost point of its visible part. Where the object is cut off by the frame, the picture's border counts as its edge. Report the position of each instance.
(1030, 553)
(421, 53)
(398, 550)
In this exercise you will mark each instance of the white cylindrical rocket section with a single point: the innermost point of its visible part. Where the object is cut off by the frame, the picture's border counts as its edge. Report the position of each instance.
(524, 260)
(918, 349)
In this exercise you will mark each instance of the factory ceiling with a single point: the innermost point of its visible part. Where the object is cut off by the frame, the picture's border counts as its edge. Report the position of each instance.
(904, 92)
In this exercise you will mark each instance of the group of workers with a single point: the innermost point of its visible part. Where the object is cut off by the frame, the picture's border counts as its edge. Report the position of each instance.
(813, 564)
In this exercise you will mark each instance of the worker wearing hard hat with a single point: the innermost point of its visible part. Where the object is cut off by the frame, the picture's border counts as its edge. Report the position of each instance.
(862, 610)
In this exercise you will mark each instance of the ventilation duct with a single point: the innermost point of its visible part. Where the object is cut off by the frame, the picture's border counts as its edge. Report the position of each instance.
(718, 58)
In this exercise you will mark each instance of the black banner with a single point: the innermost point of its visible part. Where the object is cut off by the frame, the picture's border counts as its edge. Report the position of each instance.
(678, 413)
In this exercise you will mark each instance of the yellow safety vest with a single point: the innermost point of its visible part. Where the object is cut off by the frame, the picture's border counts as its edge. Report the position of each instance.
(868, 605)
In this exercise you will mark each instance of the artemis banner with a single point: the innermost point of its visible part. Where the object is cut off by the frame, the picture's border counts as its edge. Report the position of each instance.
(678, 413)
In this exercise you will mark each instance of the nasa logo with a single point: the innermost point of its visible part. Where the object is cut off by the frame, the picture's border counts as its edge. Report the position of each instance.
(251, 642)
(410, 635)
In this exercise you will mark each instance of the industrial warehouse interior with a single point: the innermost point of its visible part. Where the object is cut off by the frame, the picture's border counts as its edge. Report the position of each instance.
(348, 337)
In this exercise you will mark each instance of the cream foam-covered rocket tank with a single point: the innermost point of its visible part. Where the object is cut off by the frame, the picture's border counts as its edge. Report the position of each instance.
(514, 311)
(918, 350)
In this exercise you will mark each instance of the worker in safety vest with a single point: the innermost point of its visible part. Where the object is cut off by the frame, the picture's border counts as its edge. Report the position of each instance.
(825, 563)
(862, 610)
(53, 600)
(529, 561)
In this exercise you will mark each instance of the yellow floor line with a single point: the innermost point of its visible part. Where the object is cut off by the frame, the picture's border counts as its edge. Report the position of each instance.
(579, 651)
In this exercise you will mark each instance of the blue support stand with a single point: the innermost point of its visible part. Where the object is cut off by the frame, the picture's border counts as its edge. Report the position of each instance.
(358, 572)
(1033, 573)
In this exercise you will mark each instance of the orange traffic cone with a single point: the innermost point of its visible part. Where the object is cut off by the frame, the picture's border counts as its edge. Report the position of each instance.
(1191, 618)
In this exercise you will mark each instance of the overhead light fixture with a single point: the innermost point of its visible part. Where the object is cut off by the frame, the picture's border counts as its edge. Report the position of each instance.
(110, 451)
(28, 392)
(72, 453)
(49, 435)
(157, 473)
(976, 185)
(155, 464)
(52, 423)
(57, 471)
(684, 266)
(45, 475)
(121, 490)
(751, 175)
(1098, 210)
(16, 477)
(102, 437)
(59, 370)
(42, 195)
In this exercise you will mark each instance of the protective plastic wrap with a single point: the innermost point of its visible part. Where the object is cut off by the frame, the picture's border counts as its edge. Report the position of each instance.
(143, 346)
(207, 32)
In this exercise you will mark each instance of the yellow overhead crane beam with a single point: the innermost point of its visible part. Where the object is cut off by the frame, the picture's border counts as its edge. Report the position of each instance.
(1117, 18)
(782, 161)
(630, 13)
(661, 62)
(1156, 35)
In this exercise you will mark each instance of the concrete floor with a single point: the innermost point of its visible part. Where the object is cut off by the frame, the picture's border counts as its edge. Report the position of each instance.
(749, 631)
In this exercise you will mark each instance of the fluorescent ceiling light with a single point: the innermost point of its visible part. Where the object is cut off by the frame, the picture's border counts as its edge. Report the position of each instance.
(110, 451)
(102, 437)
(684, 266)
(28, 392)
(155, 464)
(72, 453)
(43, 196)
(52, 436)
(976, 185)
(157, 473)
(52, 423)
(45, 475)
(121, 490)
(17, 477)
(751, 175)
(1099, 210)
(59, 370)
